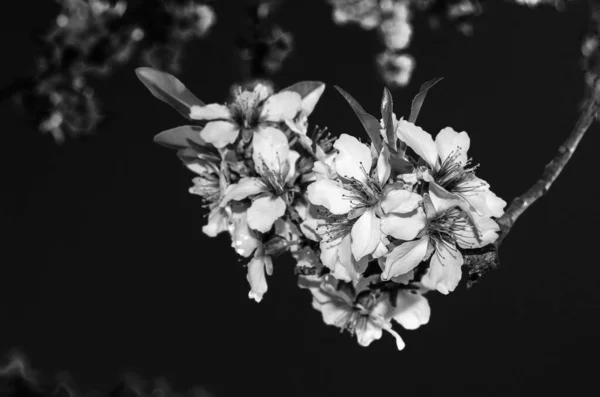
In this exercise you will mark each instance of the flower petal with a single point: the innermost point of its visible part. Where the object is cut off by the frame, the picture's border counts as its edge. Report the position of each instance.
(256, 278)
(354, 158)
(370, 332)
(412, 310)
(418, 140)
(366, 234)
(212, 111)
(217, 222)
(444, 271)
(400, 201)
(405, 257)
(243, 239)
(443, 200)
(244, 188)
(381, 249)
(484, 231)
(220, 133)
(404, 226)
(330, 195)
(264, 211)
(477, 192)
(271, 151)
(353, 267)
(293, 156)
(450, 142)
(282, 106)
(333, 311)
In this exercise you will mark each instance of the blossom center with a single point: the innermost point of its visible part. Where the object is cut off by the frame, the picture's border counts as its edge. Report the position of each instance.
(366, 194)
(336, 228)
(447, 228)
(208, 187)
(246, 107)
(452, 175)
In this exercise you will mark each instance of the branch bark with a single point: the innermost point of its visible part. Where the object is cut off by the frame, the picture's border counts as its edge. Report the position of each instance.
(551, 171)
(485, 259)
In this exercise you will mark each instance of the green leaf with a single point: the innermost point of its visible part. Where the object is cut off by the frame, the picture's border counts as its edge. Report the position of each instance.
(169, 89)
(400, 165)
(304, 87)
(370, 123)
(387, 110)
(179, 137)
(420, 97)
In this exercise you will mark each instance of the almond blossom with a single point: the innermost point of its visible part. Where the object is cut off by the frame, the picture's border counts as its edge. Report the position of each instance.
(441, 227)
(352, 229)
(338, 206)
(448, 165)
(251, 110)
(366, 314)
(275, 164)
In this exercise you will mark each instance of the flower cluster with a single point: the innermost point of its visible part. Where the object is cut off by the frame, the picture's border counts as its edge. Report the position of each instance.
(372, 227)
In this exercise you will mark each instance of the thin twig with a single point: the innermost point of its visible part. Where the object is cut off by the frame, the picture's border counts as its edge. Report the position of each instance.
(551, 172)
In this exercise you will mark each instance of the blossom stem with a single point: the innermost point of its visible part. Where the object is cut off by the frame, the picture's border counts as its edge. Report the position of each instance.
(551, 172)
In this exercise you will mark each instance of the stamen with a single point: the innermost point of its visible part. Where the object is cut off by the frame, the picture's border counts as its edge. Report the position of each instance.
(448, 229)
(336, 228)
(452, 175)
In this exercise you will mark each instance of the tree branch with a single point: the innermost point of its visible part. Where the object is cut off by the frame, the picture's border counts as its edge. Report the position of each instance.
(480, 261)
(551, 172)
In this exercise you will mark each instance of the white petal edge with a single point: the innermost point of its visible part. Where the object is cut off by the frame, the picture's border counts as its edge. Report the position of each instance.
(211, 111)
(449, 142)
(353, 159)
(366, 234)
(264, 211)
(418, 140)
(444, 271)
(282, 106)
(330, 195)
(404, 258)
(271, 150)
(220, 133)
(403, 226)
(400, 201)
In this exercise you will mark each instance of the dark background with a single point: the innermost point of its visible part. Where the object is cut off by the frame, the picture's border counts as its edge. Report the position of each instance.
(104, 267)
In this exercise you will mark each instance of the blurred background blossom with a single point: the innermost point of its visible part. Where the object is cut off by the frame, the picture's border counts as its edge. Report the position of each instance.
(88, 40)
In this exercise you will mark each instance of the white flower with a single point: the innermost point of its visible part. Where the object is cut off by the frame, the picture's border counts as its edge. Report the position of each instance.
(353, 199)
(210, 184)
(448, 163)
(249, 111)
(366, 314)
(275, 163)
(441, 227)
